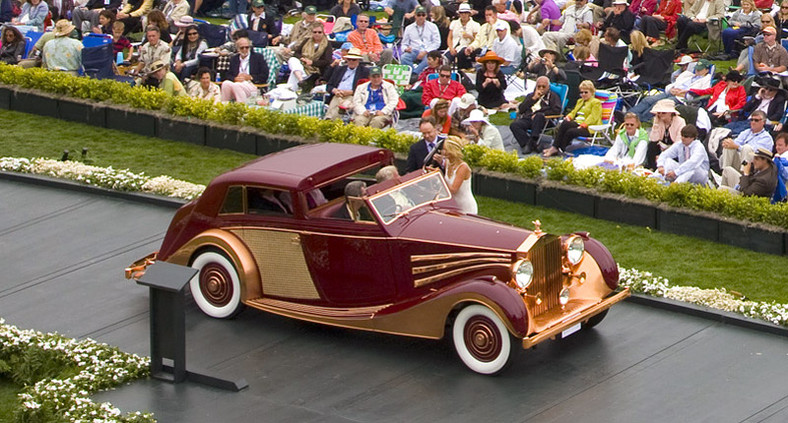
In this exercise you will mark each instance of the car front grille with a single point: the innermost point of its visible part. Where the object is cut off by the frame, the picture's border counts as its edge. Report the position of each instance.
(546, 259)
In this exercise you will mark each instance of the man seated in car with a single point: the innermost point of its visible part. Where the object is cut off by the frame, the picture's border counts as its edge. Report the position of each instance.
(354, 208)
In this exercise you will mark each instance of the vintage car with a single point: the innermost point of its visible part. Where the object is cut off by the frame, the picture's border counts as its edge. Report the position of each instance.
(278, 234)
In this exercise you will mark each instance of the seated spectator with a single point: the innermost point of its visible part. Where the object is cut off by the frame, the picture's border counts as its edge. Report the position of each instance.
(622, 19)
(180, 35)
(735, 151)
(781, 20)
(310, 58)
(665, 132)
(343, 82)
(398, 11)
(641, 8)
(367, 40)
(374, 102)
(682, 66)
(345, 9)
(246, 69)
(484, 40)
(575, 17)
(188, 56)
(440, 112)
(686, 161)
(438, 17)
(549, 16)
(726, 96)
(174, 10)
(131, 14)
(430, 142)
(63, 53)
(89, 13)
(105, 21)
(434, 62)
(770, 99)
(699, 79)
(34, 13)
(419, 38)
(491, 82)
(482, 132)
(662, 21)
(6, 11)
(767, 56)
(205, 88)
(462, 31)
(529, 39)
(745, 21)
(465, 105)
(758, 178)
(34, 57)
(587, 111)
(157, 19)
(119, 42)
(155, 49)
(704, 15)
(443, 87)
(13, 47)
(302, 31)
(503, 12)
(546, 66)
(629, 148)
(506, 48)
(161, 77)
(531, 115)
(637, 45)
(263, 28)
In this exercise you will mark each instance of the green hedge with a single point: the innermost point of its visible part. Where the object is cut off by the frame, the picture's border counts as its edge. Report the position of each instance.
(678, 195)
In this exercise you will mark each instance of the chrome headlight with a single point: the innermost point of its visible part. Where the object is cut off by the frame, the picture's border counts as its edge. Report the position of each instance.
(524, 274)
(563, 296)
(575, 249)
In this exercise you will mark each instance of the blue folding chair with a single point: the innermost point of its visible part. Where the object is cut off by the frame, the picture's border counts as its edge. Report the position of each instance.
(31, 39)
(95, 40)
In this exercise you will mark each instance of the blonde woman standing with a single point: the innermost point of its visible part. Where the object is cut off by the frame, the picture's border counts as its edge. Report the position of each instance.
(458, 175)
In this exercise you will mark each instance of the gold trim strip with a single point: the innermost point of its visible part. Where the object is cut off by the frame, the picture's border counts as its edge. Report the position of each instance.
(443, 266)
(430, 279)
(356, 312)
(448, 256)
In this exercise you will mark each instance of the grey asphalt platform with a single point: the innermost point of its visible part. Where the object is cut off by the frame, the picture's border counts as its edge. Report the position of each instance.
(63, 256)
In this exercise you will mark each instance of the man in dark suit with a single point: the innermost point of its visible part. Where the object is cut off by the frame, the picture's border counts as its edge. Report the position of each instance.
(247, 68)
(431, 143)
(262, 25)
(343, 83)
(354, 208)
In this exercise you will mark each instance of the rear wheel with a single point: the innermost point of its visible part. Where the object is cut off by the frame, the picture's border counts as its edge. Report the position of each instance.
(481, 340)
(216, 288)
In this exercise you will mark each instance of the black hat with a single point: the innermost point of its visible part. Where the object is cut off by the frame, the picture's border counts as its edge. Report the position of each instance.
(733, 76)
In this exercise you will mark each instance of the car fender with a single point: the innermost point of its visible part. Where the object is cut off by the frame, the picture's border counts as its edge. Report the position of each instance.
(607, 264)
(234, 248)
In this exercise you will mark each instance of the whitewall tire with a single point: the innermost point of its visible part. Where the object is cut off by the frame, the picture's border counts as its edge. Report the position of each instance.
(481, 340)
(216, 288)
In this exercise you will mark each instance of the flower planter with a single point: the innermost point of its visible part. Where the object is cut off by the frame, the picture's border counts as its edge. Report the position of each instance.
(82, 112)
(181, 129)
(231, 139)
(683, 223)
(496, 185)
(626, 210)
(267, 143)
(5, 98)
(28, 102)
(566, 199)
(752, 237)
(131, 121)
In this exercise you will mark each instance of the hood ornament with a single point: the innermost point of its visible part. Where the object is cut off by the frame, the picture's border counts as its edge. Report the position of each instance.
(537, 227)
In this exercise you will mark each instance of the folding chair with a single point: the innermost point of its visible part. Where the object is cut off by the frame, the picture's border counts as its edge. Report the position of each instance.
(605, 130)
(214, 35)
(611, 65)
(328, 22)
(562, 91)
(399, 74)
(273, 65)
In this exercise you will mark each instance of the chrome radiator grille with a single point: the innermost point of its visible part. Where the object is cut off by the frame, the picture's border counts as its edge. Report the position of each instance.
(546, 259)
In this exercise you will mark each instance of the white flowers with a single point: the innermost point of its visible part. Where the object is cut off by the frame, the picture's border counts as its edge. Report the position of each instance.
(121, 180)
(720, 299)
(98, 367)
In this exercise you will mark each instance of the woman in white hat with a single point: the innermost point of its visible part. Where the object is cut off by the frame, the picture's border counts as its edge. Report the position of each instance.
(458, 175)
(665, 132)
(482, 132)
(462, 31)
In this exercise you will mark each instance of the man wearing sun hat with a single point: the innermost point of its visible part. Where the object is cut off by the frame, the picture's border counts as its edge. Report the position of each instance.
(621, 19)
(374, 102)
(757, 178)
(419, 38)
(769, 56)
(161, 77)
(343, 82)
(683, 65)
(63, 53)
(506, 48)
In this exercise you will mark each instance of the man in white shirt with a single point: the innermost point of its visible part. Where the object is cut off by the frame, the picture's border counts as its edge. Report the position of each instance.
(686, 161)
(419, 38)
(576, 17)
(506, 48)
(483, 41)
(462, 31)
(699, 78)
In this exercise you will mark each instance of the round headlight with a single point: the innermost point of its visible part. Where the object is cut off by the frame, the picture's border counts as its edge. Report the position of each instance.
(575, 249)
(563, 297)
(524, 274)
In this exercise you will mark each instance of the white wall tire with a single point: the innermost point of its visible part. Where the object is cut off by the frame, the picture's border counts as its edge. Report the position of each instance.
(216, 288)
(481, 340)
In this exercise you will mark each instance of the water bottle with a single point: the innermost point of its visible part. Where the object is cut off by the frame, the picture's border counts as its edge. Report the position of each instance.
(119, 58)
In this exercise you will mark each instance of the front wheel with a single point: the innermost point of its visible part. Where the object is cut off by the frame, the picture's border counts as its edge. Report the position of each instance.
(216, 288)
(481, 340)
(595, 320)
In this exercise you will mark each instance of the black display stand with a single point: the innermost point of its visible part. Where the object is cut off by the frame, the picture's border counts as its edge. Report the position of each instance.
(168, 327)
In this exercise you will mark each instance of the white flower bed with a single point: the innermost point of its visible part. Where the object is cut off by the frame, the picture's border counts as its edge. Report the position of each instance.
(121, 180)
(720, 299)
(97, 367)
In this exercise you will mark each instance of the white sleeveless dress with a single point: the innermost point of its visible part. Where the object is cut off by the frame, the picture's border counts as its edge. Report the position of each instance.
(464, 196)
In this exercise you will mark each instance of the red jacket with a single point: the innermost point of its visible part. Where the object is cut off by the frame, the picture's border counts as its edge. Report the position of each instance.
(433, 90)
(735, 99)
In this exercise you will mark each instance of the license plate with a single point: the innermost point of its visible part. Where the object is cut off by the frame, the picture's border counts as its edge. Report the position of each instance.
(570, 331)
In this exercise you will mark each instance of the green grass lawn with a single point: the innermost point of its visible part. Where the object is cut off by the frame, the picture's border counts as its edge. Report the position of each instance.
(683, 260)
(8, 399)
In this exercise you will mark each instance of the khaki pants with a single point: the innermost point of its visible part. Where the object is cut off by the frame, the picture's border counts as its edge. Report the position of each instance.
(730, 178)
(733, 158)
(372, 121)
(333, 107)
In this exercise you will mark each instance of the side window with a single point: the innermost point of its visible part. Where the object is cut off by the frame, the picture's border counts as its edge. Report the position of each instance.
(233, 201)
(268, 201)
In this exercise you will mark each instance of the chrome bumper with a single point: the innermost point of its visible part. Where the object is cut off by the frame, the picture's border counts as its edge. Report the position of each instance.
(137, 269)
(583, 316)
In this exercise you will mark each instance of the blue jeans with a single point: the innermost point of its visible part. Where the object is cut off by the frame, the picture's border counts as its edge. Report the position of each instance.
(409, 58)
(730, 35)
(643, 108)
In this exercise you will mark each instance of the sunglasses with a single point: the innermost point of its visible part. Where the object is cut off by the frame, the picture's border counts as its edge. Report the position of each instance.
(421, 14)
(584, 92)
(783, 7)
(756, 120)
(193, 33)
(317, 32)
(630, 124)
(445, 76)
(244, 48)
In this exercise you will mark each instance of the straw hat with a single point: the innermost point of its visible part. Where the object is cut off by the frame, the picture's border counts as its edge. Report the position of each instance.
(476, 115)
(184, 21)
(490, 56)
(63, 28)
(157, 66)
(664, 106)
(544, 51)
(762, 152)
(464, 7)
(354, 53)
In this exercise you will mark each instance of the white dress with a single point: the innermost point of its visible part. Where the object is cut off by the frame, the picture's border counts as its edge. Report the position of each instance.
(463, 196)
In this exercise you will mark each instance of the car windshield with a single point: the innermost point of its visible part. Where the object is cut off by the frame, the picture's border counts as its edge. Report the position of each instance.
(410, 195)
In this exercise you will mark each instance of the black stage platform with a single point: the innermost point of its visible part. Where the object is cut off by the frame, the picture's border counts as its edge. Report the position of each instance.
(63, 259)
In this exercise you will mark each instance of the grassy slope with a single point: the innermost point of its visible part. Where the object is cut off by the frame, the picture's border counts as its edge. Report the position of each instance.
(8, 403)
